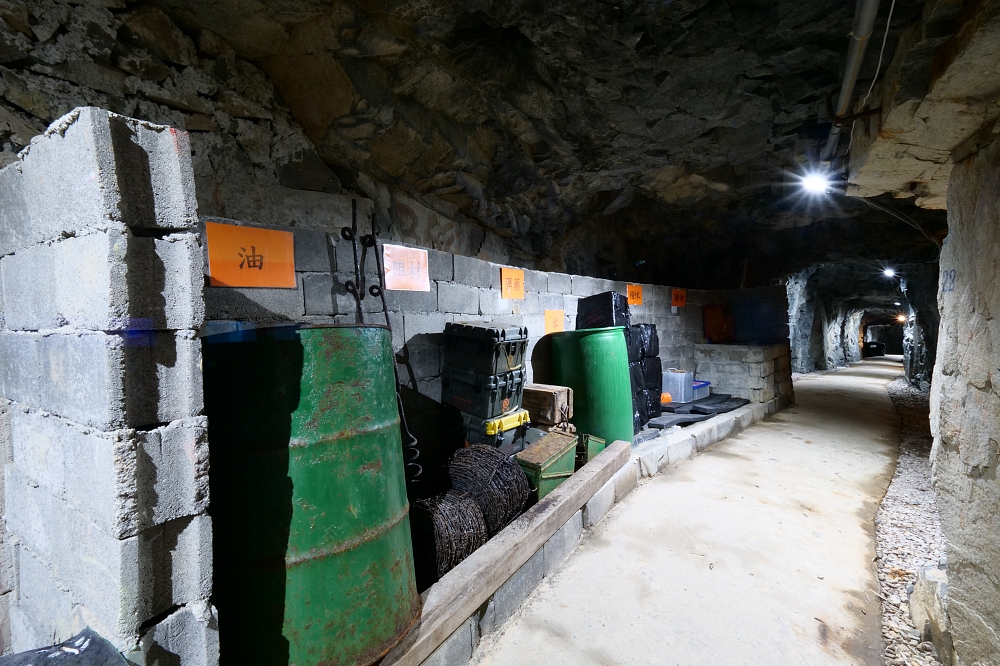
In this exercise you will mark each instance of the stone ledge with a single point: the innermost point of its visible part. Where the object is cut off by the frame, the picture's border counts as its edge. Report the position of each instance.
(453, 601)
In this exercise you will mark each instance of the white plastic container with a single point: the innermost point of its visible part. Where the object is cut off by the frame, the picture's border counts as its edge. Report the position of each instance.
(679, 384)
(701, 389)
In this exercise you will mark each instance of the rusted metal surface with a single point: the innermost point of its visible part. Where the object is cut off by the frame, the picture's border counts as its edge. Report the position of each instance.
(316, 563)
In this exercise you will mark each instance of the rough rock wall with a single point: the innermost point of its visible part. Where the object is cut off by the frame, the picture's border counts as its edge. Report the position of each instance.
(965, 406)
(801, 318)
(253, 161)
(920, 334)
(824, 333)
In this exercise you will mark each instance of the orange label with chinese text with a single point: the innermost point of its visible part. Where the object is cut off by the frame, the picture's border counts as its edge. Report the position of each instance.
(250, 257)
(555, 321)
(512, 284)
(405, 268)
(678, 298)
(634, 292)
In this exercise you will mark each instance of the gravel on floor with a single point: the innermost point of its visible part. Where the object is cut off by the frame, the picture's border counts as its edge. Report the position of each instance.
(907, 529)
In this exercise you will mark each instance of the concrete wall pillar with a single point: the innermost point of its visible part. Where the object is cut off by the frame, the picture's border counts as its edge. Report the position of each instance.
(106, 481)
(965, 405)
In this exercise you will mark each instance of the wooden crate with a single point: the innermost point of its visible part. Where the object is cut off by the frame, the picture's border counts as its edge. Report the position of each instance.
(548, 404)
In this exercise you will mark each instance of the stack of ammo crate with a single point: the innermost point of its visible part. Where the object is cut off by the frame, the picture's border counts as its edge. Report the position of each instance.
(646, 371)
(483, 378)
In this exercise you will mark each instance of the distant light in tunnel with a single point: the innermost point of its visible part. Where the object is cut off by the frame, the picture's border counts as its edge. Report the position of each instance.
(815, 183)
(901, 318)
(889, 272)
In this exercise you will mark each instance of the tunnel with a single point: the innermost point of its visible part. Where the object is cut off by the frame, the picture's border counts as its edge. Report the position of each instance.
(678, 322)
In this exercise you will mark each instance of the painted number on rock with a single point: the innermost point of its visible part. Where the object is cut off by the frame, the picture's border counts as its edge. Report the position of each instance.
(678, 298)
(634, 293)
(948, 280)
(250, 257)
(405, 268)
(555, 321)
(512, 284)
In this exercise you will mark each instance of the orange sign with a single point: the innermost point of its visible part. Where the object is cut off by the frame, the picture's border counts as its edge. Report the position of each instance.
(512, 284)
(405, 268)
(634, 292)
(250, 257)
(678, 298)
(555, 321)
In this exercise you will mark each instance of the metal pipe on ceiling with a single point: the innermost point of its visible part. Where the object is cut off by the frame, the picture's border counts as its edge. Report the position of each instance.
(864, 24)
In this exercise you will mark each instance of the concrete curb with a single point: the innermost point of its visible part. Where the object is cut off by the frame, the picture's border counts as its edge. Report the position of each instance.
(655, 455)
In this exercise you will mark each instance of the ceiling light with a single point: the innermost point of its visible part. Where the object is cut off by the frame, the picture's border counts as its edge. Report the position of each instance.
(896, 303)
(889, 272)
(901, 318)
(815, 183)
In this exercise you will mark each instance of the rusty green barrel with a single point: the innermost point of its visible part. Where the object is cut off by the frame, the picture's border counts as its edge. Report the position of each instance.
(312, 556)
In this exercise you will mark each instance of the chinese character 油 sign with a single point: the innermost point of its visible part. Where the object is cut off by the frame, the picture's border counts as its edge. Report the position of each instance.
(250, 257)
(634, 293)
(512, 284)
(678, 298)
(405, 268)
(555, 321)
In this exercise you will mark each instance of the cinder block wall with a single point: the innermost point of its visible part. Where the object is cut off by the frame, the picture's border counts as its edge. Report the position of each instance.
(105, 486)
(759, 373)
(461, 289)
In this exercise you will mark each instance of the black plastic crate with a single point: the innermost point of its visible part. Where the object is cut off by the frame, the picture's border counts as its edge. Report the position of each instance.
(482, 395)
(647, 340)
(633, 343)
(486, 348)
(652, 373)
(653, 406)
(635, 375)
(603, 311)
(506, 433)
(640, 412)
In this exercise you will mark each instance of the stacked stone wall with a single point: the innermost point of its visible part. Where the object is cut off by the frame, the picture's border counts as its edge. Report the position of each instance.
(105, 486)
(757, 373)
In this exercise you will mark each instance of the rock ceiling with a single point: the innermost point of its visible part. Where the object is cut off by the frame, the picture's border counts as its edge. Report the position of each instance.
(605, 137)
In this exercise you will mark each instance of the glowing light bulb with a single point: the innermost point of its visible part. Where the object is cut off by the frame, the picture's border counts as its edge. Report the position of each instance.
(901, 318)
(889, 272)
(815, 183)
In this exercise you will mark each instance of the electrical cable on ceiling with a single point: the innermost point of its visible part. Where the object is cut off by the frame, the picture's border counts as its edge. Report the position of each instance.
(878, 69)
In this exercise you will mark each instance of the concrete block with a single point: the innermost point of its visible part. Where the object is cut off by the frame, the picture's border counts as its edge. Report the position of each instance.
(457, 649)
(518, 587)
(317, 294)
(424, 323)
(599, 505)
(626, 479)
(473, 272)
(562, 543)
(570, 305)
(166, 281)
(78, 281)
(23, 633)
(396, 323)
(584, 286)
(535, 281)
(650, 457)
(425, 357)
(258, 305)
(163, 378)
(726, 425)
(155, 173)
(344, 252)
(680, 449)
(314, 253)
(490, 303)
(122, 583)
(171, 474)
(704, 435)
(458, 298)
(560, 283)
(66, 181)
(759, 412)
(412, 301)
(46, 609)
(552, 302)
(189, 635)
(79, 376)
(440, 266)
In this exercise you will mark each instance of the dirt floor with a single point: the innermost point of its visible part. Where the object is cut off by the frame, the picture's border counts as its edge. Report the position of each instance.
(759, 551)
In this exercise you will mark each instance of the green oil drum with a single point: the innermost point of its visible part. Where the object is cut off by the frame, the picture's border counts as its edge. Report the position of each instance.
(313, 562)
(594, 363)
